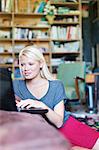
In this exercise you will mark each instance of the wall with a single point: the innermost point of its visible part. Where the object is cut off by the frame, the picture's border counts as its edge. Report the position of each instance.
(87, 44)
(95, 32)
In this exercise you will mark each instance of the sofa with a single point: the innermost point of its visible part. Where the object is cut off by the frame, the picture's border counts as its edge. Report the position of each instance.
(24, 131)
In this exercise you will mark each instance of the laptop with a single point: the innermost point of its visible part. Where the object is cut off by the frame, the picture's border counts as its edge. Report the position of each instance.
(7, 97)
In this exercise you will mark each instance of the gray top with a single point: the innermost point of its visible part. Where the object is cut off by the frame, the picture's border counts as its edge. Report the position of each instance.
(55, 94)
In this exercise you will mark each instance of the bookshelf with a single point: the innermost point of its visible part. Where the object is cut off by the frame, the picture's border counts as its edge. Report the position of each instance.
(23, 22)
(67, 42)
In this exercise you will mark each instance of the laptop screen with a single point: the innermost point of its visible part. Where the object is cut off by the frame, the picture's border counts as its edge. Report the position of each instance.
(7, 98)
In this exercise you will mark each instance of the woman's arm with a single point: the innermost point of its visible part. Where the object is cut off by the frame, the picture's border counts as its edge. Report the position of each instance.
(55, 116)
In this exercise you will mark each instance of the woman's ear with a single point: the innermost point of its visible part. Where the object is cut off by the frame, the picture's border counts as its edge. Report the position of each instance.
(41, 63)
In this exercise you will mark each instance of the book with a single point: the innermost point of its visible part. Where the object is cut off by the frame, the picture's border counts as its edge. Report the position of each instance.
(41, 7)
(22, 6)
(73, 1)
(8, 6)
(3, 3)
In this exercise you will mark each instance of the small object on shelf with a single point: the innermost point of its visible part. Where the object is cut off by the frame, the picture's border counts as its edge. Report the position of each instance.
(50, 19)
(90, 121)
(50, 11)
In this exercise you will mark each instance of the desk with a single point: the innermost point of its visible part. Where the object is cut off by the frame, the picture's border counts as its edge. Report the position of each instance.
(92, 79)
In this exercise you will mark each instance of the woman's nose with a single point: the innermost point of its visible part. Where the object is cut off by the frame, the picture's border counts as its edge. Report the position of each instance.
(26, 67)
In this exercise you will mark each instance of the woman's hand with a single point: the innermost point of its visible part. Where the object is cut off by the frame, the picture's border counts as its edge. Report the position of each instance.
(29, 103)
(55, 116)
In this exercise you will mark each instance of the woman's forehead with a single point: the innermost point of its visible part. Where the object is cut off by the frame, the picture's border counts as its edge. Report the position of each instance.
(25, 58)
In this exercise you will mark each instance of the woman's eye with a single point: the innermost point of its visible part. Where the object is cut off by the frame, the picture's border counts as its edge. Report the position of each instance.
(22, 64)
(31, 64)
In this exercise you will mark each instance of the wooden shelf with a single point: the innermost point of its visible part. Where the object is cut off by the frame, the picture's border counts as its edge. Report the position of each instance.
(6, 65)
(5, 14)
(71, 40)
(32, 27)
(69, 14)
(5, 27)
(6, 53)
(65, 23)
(65, 3)
(34, 40)
(55, 53)
(29, 14)
(22, 21)
(5, 40)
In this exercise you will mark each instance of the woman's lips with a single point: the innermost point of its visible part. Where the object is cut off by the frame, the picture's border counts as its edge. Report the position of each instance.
(27, 73)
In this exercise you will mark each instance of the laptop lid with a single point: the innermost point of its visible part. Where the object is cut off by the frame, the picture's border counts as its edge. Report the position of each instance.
(7, 98)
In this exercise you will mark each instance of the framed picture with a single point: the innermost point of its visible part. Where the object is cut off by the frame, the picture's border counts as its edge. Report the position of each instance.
(95, 56)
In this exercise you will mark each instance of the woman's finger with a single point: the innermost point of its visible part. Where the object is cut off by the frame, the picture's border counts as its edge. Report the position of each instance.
(17, 101)
(29, 106)
(19, 104)
(24, 105)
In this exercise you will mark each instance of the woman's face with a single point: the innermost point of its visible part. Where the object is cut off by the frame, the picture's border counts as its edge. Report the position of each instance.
(30, 67)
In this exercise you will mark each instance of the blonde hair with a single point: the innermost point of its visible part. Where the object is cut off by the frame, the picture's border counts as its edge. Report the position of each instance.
(33, 52)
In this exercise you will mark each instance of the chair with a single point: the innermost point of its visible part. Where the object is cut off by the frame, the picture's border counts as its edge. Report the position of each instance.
(73, 76)
(92, 81)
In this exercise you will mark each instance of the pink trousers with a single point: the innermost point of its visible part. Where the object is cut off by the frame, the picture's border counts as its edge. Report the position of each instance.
(79, 134)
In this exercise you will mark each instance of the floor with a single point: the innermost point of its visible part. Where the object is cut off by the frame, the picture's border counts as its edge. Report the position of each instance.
(92, 119)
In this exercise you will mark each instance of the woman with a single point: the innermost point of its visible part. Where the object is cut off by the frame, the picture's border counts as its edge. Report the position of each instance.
(39, 89)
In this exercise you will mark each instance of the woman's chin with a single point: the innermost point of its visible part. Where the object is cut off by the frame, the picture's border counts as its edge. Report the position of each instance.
(28, 77)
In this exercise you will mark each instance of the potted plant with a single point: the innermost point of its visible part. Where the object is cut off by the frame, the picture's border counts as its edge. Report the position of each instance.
(50, 11)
